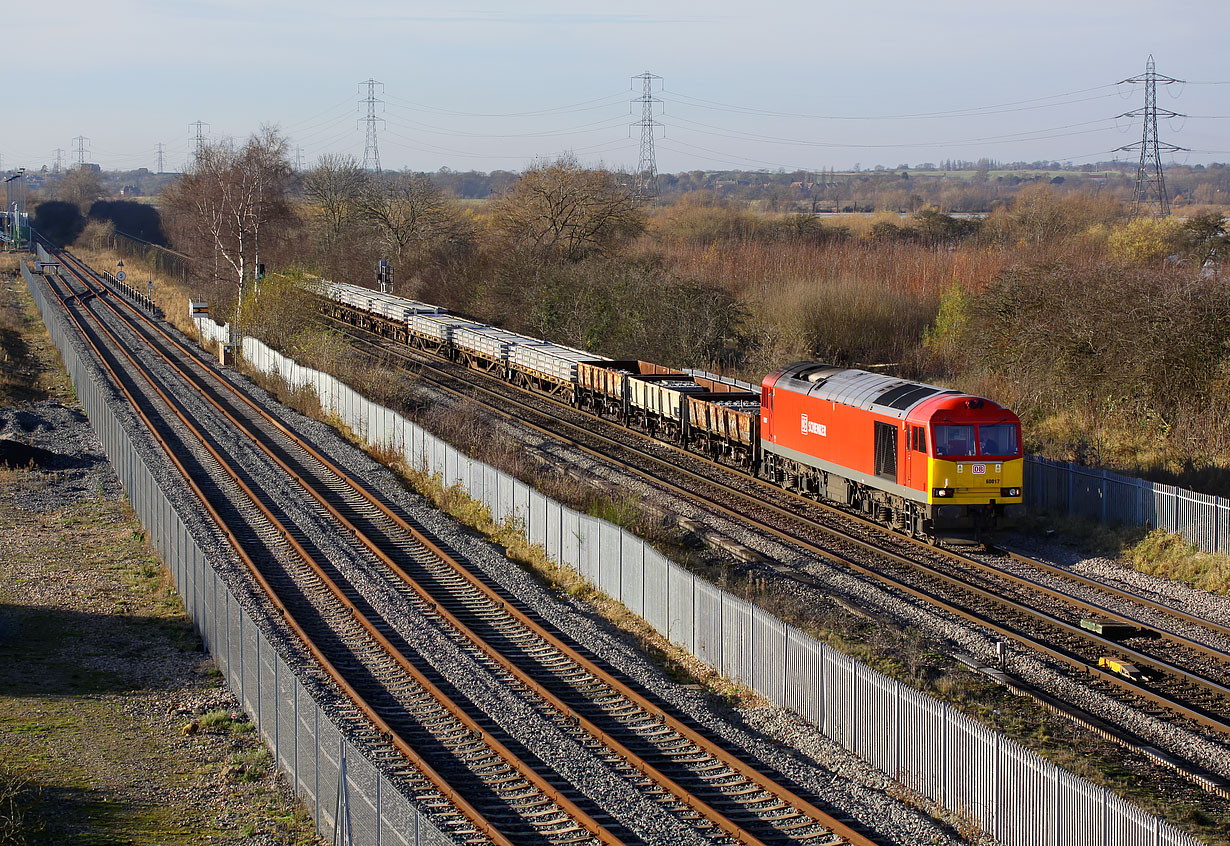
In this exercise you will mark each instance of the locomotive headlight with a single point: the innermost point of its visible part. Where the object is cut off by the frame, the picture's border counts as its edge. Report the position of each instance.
(945, 493)
(1009, 491)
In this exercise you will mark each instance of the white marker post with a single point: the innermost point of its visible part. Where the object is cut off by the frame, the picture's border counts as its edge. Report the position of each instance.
(197, 310)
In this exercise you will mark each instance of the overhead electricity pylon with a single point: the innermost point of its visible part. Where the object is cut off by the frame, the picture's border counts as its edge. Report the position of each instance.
(646, 186)
(371, 153)
(1150, 181)
(81, 141)
(198, 139)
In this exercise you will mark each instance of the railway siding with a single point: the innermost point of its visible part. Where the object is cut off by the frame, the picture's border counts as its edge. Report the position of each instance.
(1012, 793)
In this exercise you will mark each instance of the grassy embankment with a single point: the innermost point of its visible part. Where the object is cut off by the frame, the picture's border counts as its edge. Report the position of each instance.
(114, 725)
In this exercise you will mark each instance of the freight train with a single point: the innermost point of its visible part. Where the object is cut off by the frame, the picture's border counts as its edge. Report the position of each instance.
(928, 461)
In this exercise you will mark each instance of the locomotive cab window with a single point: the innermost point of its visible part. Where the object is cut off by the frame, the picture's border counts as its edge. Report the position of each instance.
(918, 439)
(997, 439)
(955, 441)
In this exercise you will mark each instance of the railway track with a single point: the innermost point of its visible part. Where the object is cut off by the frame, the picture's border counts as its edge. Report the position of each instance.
(496, 793)
(1188, 657)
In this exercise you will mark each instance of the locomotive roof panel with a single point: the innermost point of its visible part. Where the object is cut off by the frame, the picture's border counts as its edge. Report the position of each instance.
(877, 392)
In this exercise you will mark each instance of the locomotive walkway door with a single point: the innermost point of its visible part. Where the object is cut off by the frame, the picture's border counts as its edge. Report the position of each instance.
(910, 445)
(886, 451)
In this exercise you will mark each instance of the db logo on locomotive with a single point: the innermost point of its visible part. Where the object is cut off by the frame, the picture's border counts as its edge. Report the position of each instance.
(812, 428)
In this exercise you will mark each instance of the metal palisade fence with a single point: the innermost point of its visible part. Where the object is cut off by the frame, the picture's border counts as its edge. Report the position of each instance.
(349, 798)
(1013, 794)
(1064, 488)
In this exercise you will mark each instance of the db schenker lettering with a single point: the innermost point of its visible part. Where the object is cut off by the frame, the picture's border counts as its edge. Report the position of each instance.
(811, 428)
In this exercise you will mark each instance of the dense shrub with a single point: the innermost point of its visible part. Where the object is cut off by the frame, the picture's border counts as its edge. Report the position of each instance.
(60, 221)
(1141, 347)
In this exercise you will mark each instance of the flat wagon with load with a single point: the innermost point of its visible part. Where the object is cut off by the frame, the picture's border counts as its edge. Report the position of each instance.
(434, 332)
(548, 368)
(486, 347)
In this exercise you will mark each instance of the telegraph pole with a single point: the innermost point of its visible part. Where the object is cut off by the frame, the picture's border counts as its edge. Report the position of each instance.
(371, 153)
(1149, 177)
(646, 186)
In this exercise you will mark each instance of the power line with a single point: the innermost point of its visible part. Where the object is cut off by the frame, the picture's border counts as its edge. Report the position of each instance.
(646, 187)
(605, 123)
(1149, 177)
(972, 111)
(574, 107)
(371, 153)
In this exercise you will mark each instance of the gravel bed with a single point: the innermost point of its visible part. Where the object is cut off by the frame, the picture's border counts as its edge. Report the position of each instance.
(1115, 573)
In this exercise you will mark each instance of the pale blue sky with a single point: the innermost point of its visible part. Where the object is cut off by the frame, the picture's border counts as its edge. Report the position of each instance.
(485, 85)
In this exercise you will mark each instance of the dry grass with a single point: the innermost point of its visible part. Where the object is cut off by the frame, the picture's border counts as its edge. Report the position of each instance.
(30, 366)
(1170, 556)
(170, 292)
(852, 300)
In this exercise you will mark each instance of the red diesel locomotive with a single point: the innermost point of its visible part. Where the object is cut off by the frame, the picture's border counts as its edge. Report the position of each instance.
(931, 461)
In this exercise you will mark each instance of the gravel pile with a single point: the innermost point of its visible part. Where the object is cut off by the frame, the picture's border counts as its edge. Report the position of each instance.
(64, 449)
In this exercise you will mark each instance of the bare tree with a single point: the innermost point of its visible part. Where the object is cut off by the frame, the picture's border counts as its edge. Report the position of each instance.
(564, 209)
(231, 198)
(411, 216)
(82, 186)
(336, 185)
